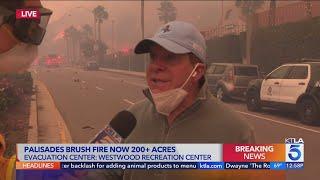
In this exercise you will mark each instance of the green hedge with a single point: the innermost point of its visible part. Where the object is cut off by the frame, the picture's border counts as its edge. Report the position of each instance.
(271, 46)
(224, 49)
(290, 42)
(12, 87)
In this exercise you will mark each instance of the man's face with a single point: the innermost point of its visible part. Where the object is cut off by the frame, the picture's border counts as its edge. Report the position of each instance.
(167, 70)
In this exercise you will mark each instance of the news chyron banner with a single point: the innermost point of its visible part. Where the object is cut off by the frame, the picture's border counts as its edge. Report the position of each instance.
(161, 156)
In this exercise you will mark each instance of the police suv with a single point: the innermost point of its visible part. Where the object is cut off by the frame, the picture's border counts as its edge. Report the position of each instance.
(290, 86)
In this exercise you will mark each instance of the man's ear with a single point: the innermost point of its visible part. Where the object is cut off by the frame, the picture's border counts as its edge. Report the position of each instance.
(199, 72)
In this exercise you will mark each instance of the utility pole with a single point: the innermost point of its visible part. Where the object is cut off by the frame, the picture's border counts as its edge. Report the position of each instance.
(129, 61)
(142, 19)
(112, 34)
(222, 13)
(142, 33)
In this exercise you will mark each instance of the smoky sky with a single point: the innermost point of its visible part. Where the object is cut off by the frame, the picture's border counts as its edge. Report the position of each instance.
(126, 17)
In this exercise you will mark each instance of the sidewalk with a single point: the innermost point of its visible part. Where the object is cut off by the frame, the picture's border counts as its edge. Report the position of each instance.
(47, 124)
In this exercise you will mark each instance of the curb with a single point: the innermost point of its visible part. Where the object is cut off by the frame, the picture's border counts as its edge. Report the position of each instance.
(134, 73)
(63, 134)
(33, 118)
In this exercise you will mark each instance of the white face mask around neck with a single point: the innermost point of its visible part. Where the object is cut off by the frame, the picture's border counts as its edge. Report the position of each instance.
(167, 101)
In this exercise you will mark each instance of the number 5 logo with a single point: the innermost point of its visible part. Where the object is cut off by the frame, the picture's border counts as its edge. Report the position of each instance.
(294, 152)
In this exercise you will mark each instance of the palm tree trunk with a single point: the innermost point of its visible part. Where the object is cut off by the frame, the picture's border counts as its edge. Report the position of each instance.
(99, 30)
(78, 50)
(249, 31)
(272, 13)
(94, 28)
(67, 48)
(70, 50)
(73, 47)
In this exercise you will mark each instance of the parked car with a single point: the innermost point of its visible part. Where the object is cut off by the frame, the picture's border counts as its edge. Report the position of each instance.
(92, 66)
(291, 87)
(230, 80)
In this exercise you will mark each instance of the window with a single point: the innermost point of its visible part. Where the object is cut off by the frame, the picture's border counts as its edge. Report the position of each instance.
(298, 72)
(280, 73)
(219, 69)
(210, 70)
(245, 71)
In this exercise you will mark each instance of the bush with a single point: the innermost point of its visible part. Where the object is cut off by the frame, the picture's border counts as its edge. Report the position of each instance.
(13, 87)
(3, 102)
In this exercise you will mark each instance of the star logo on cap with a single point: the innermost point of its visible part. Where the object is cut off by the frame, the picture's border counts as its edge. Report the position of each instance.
(166, 29)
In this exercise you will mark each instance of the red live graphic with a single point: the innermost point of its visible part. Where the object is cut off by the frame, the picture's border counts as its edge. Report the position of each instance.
(27, 14)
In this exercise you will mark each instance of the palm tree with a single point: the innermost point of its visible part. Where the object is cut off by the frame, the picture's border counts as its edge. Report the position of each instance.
(86, 42)
(86, 50)
(272, 12)
(167, 12)
(100, 14)
(72, 36)
(308, 8)
(67, 37)
(87, 31)
(248, 9)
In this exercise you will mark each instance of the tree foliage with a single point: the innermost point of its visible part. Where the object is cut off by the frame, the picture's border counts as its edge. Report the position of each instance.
(100, 13)
(249, 7)
(167, 11)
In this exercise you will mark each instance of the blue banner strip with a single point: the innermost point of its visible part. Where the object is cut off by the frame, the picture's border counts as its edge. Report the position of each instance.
(247, 165)
(278, 165)
(294, 165)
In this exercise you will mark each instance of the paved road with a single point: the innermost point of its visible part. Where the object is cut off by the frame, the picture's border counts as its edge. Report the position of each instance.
(89, 104)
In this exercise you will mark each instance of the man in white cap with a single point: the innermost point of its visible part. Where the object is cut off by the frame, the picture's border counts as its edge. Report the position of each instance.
(178, 107)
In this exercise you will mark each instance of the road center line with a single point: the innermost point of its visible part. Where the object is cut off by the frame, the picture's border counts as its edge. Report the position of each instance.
(127, 101)
(99, 88)
(279, 122)
(127, 82)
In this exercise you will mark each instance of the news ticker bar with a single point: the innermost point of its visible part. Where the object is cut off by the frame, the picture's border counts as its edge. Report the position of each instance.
(161, 165)
(289, 152)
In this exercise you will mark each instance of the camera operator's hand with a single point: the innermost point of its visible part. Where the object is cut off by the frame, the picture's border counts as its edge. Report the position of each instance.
(77, 175)
(20, 37)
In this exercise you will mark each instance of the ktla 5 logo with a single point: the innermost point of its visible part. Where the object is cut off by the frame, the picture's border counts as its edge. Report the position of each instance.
(294, 150)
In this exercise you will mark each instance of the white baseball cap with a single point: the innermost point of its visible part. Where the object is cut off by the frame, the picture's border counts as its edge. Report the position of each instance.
(177, 37)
